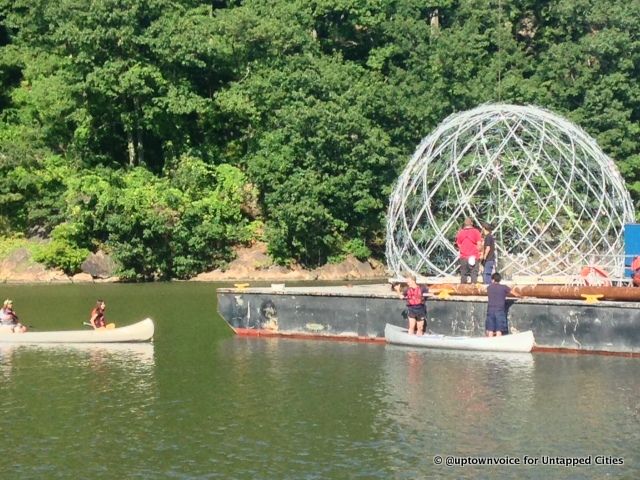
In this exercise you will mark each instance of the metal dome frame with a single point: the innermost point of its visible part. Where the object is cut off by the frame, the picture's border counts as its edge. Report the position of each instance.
(557, 202)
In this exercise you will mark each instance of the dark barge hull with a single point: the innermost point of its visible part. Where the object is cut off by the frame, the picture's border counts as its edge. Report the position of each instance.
(359, 313)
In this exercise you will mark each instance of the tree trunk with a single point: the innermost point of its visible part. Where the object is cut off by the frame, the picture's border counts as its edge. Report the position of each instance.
(435, 22)
(131, 149)
(140, 145)
(139, 142)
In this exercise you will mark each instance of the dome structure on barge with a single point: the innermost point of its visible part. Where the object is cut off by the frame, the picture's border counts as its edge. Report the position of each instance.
(556, 201)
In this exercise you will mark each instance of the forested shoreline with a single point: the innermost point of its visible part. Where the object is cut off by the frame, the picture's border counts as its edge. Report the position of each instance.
(166, 133)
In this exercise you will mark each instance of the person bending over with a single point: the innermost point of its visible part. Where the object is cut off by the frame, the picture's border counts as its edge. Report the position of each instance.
(496, 323)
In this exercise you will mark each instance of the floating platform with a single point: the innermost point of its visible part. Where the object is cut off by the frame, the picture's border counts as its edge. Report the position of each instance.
(360, 313)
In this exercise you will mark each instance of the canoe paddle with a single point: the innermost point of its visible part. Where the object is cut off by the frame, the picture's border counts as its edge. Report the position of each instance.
(108, 326)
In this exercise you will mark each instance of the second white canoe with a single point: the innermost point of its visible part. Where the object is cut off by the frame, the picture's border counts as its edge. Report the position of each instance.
(516, 342)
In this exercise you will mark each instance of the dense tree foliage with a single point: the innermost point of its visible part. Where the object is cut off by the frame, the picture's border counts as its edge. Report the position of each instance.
(168, 131)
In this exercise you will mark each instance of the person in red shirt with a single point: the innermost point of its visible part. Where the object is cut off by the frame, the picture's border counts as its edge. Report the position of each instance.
(467, 240)
(97, 315)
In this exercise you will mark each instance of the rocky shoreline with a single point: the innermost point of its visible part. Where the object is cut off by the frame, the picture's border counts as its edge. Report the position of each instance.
(251, 264)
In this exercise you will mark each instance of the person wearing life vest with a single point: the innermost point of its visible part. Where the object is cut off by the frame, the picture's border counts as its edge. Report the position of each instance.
(416, 308)
(635, 271)
(468, 240)
(97, 318)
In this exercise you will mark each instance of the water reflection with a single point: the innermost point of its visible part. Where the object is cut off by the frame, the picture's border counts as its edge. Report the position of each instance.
(142, 352)
(438, 400)
(476, 403)
(476, 382)
(134, 357)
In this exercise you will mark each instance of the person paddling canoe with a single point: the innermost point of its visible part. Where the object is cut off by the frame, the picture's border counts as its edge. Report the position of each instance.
(97, 319)
(9, 318)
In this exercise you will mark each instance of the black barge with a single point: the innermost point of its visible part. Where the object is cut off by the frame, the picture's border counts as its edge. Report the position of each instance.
(360, 312)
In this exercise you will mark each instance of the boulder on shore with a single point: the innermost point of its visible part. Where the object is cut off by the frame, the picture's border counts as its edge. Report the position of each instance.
(349, 269)
(99, 265)
(82, 278)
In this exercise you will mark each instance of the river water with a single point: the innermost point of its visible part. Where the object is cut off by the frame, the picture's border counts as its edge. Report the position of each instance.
(200, 403)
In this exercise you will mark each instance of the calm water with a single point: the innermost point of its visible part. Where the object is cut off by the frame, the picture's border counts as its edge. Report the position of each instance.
(200, 403)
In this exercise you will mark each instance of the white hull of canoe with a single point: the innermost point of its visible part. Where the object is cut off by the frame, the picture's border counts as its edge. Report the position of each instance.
(516, 342)
(138, 332)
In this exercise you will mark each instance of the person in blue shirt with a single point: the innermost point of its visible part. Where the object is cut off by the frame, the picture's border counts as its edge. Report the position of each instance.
(496, 323)
(488, 253)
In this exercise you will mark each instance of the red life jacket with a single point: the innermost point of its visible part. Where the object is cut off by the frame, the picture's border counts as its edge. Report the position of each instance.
(635, 264)
(414, 296)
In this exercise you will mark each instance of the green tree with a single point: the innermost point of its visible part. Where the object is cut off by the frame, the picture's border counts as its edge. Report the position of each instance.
(184, 125)
(320, 160)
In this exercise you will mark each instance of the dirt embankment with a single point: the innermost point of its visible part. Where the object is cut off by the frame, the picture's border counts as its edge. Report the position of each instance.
(251, 264)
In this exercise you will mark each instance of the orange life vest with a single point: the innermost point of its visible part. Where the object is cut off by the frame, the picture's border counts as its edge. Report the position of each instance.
(592, 275)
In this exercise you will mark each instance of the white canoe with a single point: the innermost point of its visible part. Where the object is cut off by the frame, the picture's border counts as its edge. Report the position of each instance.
(138, 332)
(515, 342)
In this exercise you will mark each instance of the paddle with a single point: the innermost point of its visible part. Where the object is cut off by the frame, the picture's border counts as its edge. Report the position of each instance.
(108, 326)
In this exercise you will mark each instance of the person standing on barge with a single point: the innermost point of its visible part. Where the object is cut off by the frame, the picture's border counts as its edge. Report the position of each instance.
(468, 239)
(488, 253)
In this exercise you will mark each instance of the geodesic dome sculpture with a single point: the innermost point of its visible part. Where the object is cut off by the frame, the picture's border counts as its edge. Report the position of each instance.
(557, 202)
